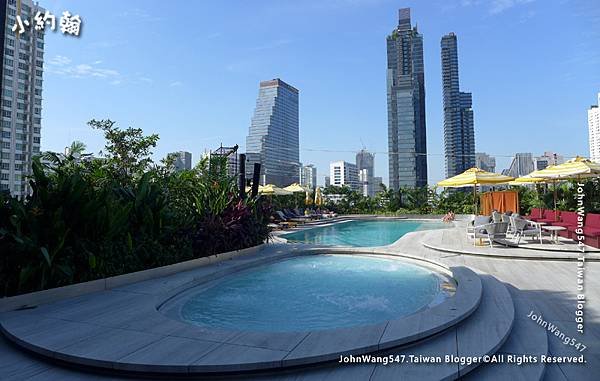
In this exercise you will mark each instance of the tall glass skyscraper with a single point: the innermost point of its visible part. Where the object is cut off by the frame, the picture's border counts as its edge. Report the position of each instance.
(407, 139)
(459, 132)
(273, 140)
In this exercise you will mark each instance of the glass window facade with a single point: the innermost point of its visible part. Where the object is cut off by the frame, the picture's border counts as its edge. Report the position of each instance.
(459, 131)
(273, 140)
(407, 137)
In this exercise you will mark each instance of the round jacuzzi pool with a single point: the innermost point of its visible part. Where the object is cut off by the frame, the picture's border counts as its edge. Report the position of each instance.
(314, 292)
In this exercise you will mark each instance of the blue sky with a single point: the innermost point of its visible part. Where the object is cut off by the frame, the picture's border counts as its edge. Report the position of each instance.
(189, 71)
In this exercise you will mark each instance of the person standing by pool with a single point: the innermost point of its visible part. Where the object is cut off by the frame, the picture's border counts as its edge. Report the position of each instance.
(449, 217)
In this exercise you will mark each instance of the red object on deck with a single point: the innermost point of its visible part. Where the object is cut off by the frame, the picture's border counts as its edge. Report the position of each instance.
(591, 230)
(550, 216)
(535, 214)
(568, 220)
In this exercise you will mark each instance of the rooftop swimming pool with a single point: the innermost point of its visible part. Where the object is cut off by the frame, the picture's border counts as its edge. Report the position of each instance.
(362, 233)
(314, 292)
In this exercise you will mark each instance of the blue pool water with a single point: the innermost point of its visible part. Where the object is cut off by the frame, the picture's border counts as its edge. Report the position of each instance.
(315, 292)
(361, 233)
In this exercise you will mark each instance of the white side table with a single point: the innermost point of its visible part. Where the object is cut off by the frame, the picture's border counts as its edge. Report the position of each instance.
(554, 232)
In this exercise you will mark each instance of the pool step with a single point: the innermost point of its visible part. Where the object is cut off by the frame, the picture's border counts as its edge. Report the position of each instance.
(482, 333)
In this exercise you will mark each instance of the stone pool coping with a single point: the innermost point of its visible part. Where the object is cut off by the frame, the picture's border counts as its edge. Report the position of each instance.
(122, 329)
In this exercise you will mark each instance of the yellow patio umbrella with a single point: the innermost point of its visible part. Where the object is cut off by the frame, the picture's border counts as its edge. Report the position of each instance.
(272, 190)
(295, 188)
(527, 180)
(473, 177)
(318, 197)
(576, 168)
(308, 200)
(530, 179)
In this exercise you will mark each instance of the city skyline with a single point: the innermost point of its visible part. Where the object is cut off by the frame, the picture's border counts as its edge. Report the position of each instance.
(556, 84)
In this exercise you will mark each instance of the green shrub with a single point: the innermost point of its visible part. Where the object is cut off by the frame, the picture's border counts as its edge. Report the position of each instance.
(92, 218)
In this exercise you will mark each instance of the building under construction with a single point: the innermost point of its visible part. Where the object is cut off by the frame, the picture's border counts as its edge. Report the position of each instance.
(231, 154)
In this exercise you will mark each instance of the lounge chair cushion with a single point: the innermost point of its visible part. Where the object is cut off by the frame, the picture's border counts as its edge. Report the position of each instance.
(591, 232)
(569, 218)
(564, 224)
(592, 220)
(481, 220)
(535, 214)
(496, 217)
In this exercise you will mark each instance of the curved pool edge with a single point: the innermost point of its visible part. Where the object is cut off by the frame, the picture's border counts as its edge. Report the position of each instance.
(279, 235)
(325, 345)
(242, 352)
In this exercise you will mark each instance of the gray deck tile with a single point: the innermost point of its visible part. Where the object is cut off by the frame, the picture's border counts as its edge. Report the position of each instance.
(493, 320)
(282, 341)
(18, 365)
(62, 334)
(319, 346)
(170, 354)
(442, 344)
(238, 357)
(553, 373)
(111, 345)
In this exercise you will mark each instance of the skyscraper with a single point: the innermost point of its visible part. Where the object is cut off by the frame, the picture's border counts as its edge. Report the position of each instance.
(308, 176)
(521, 165)
(547, 159)
(377, 184)
(459, 132)
(273, 140)
(594, 130)
(183, 160)
(22, 57)
(343, 173)
(485, 162)
(407, 140)
(365, 163)
(365, 160)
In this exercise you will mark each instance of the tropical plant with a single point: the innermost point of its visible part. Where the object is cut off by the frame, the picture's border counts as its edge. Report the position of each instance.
(88, 218)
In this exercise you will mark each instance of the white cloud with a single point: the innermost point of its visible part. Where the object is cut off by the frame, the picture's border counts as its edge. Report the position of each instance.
(138, 14)
(64, 66)
(85, 70)
(175, 84)
(61, 65)
(495, 6)
(59, 60)
(499, 6)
